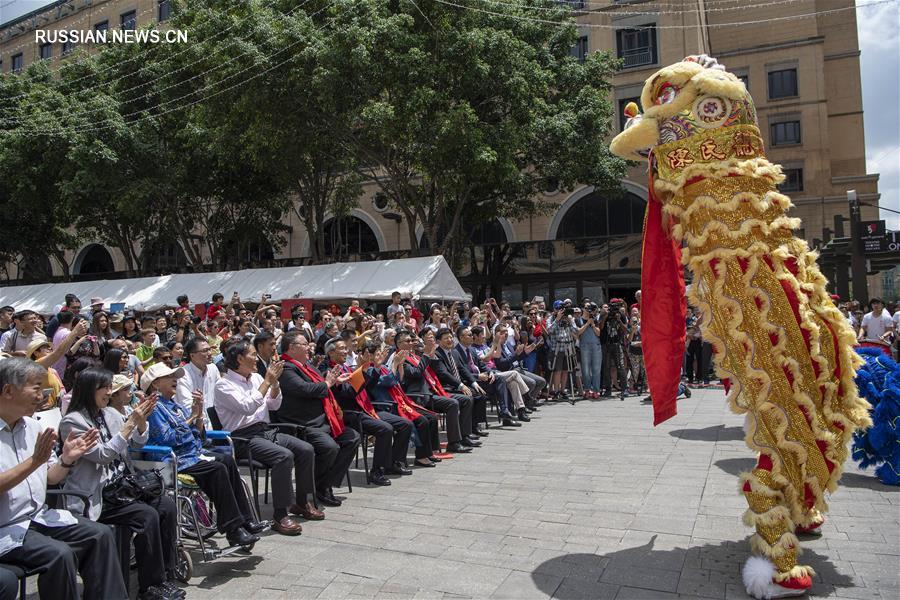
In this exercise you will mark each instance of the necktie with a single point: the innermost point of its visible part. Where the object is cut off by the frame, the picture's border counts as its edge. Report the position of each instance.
(452, 365)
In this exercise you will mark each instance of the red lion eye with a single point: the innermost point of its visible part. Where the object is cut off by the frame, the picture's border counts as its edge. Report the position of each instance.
(666, 94)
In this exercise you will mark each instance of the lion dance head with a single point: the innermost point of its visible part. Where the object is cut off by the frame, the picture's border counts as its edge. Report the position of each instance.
(685, 99)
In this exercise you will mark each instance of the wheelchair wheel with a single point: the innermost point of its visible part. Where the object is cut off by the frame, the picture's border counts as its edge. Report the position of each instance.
(184, 566)
(197, 504)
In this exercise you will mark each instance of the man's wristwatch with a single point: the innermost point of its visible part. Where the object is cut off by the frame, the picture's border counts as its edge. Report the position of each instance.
(66, 465)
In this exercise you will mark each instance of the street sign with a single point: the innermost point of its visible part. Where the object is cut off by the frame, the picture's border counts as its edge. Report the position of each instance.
(872, 234)
(872, 245)
(871, 229)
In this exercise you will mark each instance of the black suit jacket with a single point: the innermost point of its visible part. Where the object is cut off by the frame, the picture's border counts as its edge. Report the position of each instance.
(414, 376)
(302, 398)
(443, 370)
(462, 364)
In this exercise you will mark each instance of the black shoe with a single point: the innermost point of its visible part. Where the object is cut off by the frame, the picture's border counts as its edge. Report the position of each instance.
(458, 448)
(470, 442)
(435, 459)
(687, 392)
(240, 537)
(424, 463)
(539, 403)
(398, 469)
(528, 410)
(174, 590)
(510, 422)
(327, 498)
(523, 416)
(377, 477)
(156, 592)
(255, 528)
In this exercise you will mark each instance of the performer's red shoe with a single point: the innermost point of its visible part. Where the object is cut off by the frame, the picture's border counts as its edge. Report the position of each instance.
(814, 528)
(759, 580)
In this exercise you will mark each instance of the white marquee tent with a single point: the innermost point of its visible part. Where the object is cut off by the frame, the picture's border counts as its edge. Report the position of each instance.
(427, 278)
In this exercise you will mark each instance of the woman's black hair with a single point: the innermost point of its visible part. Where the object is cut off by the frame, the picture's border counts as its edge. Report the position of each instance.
(89, 381)
(112, 358)
(234, 350)
(65, 317)
(74, 370)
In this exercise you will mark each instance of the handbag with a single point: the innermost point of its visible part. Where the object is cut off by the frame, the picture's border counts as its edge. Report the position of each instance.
(127, 487)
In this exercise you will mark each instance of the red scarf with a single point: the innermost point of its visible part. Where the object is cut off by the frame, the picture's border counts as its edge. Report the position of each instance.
(430, 377)
(405, 407)
(362, 398)
(663, 309)
(332, 410)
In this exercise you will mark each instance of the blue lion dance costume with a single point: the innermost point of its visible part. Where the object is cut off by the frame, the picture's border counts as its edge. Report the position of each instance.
(879, 382)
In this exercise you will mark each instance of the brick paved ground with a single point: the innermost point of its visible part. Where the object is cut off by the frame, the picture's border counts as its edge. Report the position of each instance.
(587, 501)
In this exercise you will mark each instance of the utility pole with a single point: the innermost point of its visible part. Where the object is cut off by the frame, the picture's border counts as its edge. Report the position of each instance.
(857, 257)
(841, 266)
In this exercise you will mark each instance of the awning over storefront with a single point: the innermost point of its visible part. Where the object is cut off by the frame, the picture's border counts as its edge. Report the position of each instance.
(426, 278)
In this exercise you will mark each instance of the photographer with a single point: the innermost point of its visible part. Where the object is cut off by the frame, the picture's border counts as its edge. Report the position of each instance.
(612, 336)
(562, 333)
(591, 349)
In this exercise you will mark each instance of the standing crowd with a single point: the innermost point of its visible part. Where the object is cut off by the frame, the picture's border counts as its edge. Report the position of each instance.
(301, 394)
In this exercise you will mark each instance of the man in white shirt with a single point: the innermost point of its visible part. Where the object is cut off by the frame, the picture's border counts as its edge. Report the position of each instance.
(200, 376)
(876, 322)
(243, 399)
(25, 331)
(56, 543)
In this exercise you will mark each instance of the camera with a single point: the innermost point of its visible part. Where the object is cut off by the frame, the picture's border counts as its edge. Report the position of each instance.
(591, 308)
(568, 311)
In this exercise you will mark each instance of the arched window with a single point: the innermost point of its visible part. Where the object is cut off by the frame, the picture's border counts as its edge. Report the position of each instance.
(597, 215)
(94, 259)
(349, 235)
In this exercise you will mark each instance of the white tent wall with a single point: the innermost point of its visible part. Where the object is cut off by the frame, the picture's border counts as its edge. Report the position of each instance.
(427, 278)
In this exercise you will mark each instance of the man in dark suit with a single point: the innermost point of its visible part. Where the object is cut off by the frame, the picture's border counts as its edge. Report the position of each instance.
(477, 376)
(447, 372)
(308, 400)
(391, 432)
(457, 379)
(420, 378)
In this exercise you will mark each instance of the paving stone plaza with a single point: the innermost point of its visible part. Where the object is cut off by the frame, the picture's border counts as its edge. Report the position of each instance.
(587, 501)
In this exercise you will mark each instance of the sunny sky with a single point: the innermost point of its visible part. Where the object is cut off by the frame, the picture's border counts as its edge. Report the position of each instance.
(879, 41)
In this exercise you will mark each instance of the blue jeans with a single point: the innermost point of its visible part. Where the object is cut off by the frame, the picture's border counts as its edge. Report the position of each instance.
(591, 360)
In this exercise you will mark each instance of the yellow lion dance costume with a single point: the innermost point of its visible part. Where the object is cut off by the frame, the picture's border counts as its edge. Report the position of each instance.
(778, 339)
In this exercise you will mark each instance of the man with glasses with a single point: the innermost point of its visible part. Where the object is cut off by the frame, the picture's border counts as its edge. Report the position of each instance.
(308, 400)
(200, 376)
(299, 322)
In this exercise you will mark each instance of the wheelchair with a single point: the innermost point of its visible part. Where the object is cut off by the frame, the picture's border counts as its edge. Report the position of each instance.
(196, 512)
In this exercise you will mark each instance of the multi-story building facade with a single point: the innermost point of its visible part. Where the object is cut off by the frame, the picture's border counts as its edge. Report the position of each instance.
(801, 65)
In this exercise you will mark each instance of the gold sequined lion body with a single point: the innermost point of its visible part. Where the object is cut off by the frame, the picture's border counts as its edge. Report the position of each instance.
(778, 339)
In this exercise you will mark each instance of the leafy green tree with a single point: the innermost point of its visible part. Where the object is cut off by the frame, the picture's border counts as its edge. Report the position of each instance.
(469, 114)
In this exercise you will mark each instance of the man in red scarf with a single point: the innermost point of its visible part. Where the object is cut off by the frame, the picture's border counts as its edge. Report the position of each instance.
(389, 430)
(308, 400)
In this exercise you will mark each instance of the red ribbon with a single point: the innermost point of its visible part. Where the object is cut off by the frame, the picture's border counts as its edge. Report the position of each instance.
(430, 376)
(332, 410)
(663, 310)
(405, 406)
